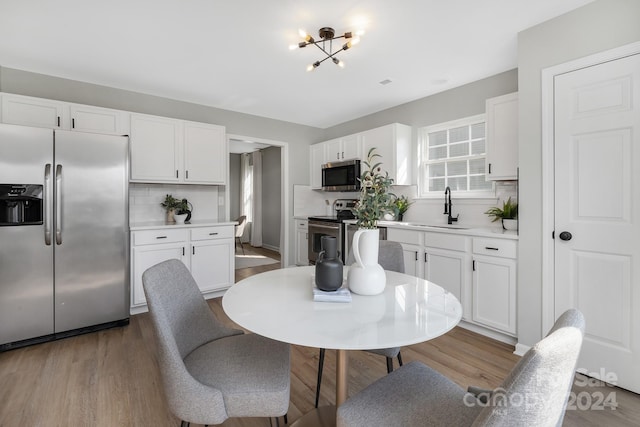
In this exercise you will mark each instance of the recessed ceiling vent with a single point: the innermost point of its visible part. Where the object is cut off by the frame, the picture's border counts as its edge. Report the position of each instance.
(385, 82)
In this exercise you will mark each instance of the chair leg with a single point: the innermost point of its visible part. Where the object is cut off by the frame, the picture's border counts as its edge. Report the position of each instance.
(389, 365)
(286, 420)
(320, 366)
(184, 424)
(400, 358)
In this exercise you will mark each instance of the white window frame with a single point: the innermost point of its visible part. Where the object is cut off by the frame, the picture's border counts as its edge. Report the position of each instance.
(423, 137)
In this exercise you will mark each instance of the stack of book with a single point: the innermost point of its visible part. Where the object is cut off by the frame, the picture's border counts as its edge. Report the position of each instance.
(341, 295)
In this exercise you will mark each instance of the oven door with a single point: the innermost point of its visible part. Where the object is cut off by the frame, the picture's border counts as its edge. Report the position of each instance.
(317, 229)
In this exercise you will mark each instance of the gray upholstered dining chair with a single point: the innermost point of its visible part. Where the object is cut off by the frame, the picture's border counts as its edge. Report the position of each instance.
(534, 393)
(390, 257)
(209, 371)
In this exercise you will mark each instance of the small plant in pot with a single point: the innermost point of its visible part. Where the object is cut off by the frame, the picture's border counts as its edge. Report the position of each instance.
(183, 211)
(399, 206)
(508, 214)
(170, 204)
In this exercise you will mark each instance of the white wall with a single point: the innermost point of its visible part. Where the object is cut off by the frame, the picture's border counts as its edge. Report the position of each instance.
(598, 26)
(271, 197)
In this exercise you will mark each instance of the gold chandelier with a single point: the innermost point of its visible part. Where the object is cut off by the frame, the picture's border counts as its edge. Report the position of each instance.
(325, 44)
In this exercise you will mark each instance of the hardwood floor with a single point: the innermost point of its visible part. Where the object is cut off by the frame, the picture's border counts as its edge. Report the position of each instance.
(110, 378)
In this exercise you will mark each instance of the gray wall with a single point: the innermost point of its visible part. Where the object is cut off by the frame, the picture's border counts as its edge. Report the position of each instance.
(234, 185)
(271, 197)
(463, 101)
(598, 26)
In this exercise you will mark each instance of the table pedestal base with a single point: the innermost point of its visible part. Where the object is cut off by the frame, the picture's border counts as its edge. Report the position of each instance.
(324, 416)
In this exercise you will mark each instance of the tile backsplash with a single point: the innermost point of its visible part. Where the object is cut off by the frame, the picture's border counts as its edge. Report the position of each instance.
(145, 199)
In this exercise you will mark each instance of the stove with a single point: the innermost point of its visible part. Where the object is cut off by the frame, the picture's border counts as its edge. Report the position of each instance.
(329, 225)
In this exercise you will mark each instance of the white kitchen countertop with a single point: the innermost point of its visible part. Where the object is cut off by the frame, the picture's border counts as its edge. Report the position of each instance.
(151, 225)
(479, 231)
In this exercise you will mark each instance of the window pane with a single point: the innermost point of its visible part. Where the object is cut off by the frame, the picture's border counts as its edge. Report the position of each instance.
(477, 147)
(477, 131)
(459, 184)
(476, 166)
(438, 153)
(459, 150)
(437, 138)
(436, 184)
(478, 182)
(436, 170)
(457, 168)
(459, 134)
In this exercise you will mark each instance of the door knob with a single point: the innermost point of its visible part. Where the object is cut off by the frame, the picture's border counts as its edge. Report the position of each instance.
(565, 235)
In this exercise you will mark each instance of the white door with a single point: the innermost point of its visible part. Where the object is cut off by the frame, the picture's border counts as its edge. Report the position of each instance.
(597, 213)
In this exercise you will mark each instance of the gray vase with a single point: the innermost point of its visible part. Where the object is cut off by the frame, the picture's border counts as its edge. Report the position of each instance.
(328, 265)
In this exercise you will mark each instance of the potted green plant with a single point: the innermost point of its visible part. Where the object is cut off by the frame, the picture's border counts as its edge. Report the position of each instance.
(399, 206)
(508, 214)
(366, 276)
(182, 211)
(170, 204)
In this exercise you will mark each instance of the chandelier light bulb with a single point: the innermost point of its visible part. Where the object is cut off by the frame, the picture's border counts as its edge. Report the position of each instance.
(303, 33)
(354, 41)
(293, 46)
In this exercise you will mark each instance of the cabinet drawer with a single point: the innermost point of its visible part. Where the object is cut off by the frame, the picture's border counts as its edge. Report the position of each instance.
(150, 237)
(209, 233)
(452, 242)
(495, 247)
(404, 236)
(302, 224)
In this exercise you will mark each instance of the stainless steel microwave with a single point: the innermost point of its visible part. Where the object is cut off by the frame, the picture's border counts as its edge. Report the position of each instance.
(341, 176)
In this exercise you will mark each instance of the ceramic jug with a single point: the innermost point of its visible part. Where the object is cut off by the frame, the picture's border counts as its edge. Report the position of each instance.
(328, 265)
(366, 276)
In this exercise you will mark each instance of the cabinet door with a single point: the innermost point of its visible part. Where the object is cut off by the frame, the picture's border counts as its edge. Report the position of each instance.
(302, 241)
(494, 292)
(393, 144)
(155, 149)
(28, 111)
(502, 137)
(148, 256)
(205, 154)
(212, 264)
(447, 269)
(412, 257)
(85, 118)
(333, 151)
(351, 147)
(316, 160)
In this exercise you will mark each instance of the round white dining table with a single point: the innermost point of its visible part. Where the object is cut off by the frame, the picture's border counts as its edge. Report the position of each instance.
(279, 304)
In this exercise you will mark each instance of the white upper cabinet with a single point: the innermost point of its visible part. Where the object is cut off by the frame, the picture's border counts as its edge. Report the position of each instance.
(205, 153)
(176, 151)
(156, 144)
(345, 148)
(502, 137)
(316, 160)
(393, 143)
(85, 118)
(37, 112)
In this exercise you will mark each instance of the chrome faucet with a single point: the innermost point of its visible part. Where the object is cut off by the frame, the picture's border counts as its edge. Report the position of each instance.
(447, 207)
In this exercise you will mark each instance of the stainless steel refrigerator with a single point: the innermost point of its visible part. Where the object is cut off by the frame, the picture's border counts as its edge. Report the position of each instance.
(64, 233)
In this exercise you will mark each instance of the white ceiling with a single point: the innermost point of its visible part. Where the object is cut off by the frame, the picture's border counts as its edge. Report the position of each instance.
(234, 54)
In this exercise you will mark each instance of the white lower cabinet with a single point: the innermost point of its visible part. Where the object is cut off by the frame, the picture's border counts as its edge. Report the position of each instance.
(494, 284)
(208, 252)
(302, 242)
(412, 248)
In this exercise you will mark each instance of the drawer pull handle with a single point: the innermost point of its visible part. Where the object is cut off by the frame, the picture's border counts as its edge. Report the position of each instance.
(491, 249)
(213, 234)
(161, 237)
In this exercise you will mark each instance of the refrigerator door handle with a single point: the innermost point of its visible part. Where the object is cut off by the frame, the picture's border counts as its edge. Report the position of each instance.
(58, 204)
(47, 204)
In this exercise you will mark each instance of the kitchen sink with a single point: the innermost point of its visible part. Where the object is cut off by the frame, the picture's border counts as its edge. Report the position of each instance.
(450, 227)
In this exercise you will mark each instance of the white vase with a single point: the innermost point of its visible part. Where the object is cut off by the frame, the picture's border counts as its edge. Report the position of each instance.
(510, 224)
(179, 218)
(366, 276)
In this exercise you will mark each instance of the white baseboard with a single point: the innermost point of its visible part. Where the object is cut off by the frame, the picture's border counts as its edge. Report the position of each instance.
(521, 349)
(498, 336)
(271, 248)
